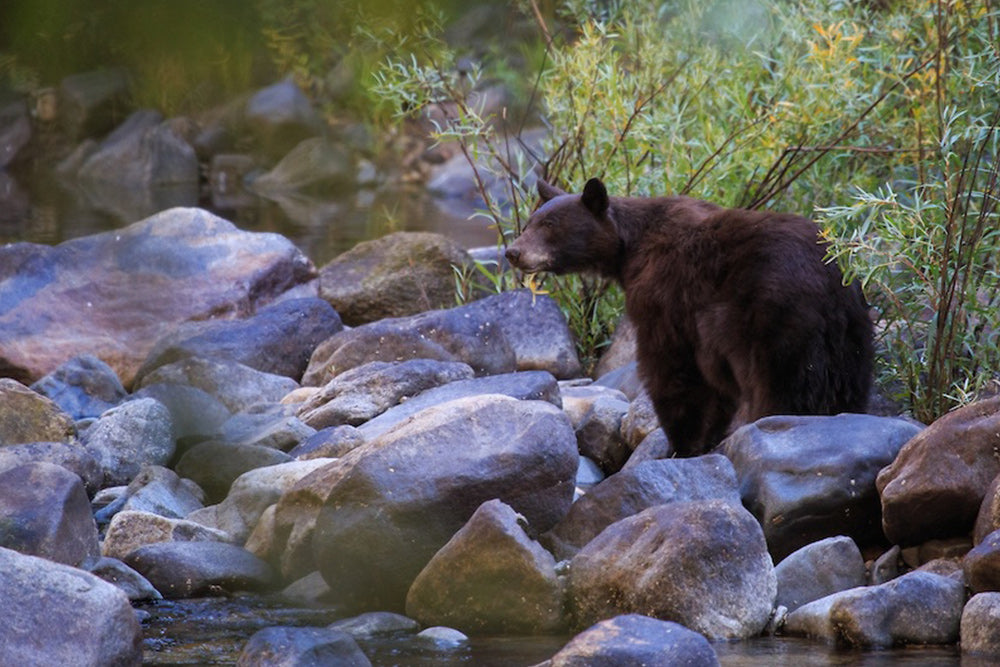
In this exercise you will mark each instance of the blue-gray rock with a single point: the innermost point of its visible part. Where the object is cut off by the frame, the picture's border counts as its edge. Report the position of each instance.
(599, 434)
(59, 615)
(916, 608)
(214, 465)
(404, 495)
(331, 442)
(83, 387)
(376, 624)
(397, 275)
(44, 511)
(634, 640)
(364, 392)
(126, 438)
(703, 564)
(490, 579)
(192, 569)
(806, 477)
(157, 490)
(936, 485)
(638, 488)
(273, 426)
(115, 294)
(71, 456)
(130, 582)
(980, 626)
(817, 570)
(278, 339)
(281, 646)
(280, 116)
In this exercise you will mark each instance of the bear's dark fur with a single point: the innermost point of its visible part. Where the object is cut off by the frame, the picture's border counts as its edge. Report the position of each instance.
(737, 313)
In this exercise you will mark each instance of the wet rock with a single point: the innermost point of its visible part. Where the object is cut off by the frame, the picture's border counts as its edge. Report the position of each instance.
(192, 569)
(631, 491)
(806, 478)
(236, 386)
(980, 626)
(126, 438)
(115, 294)
(442, 638)
(314, 165)
(156, 490)
(498, 334)
(982, 565)
(935, 487)
(376, 624)
(364, 392)
(83, 620)
(44, 511)
(817, 570)
(194, 414)
(527, 385)
(490, 578)
(988, 518)
(916, 608)
(71, 456)
(131, 529)
(214, 465)
(250, 494)
(598, 434)
(703, 564)
(130, 582)
(301, 646)
(280, 116)
(633, 640)
(277, 339)
(405, 494)
(398, 275)
(27, 416)
(92, 103)
(83, 387)
(331, 442)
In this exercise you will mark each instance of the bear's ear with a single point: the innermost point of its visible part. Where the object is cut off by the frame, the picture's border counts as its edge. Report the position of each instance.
(547, 192)
(595, 197)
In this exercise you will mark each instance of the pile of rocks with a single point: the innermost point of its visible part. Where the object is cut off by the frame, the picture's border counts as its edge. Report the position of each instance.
(184, 414)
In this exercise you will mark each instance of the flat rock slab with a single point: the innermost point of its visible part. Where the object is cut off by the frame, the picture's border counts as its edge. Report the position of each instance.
(116, 293)
(191, 569)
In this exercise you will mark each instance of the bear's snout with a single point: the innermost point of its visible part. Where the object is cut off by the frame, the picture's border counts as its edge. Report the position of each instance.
(512, 255)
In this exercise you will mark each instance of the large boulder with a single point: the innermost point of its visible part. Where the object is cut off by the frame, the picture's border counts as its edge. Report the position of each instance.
(633, 490)
(27, 416)
(935, 487)
(498, 334)
(44, 511)
(490, 578)
(116, 293)
(405, 494)
(703, 564)
(130, 530)
(806, 477)
(54, 614)
(634, 640)
(397, 275)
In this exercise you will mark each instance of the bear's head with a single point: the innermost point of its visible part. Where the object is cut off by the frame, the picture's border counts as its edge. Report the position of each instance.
(568, 233)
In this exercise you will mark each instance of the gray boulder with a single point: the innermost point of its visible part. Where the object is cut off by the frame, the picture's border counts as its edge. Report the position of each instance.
(27, 416)
(156, 490)
(83, 387)
(45, 512)
(806, 478)
(177, 266)
(126, 438)
(935, 487)
(280, 116)
(235, 385)
(316, 164)
(330, 442)
(273, 426)
(916, 608)
(364, 392)
(400, 274)
(130, 582)
(71, 456)
(490, 579)
(191, 569)
(404, 495)
(703, 564)
(214, 466)
(194, 413)
(646, 485)
(58, 615)
(598, 434)
(281, 646)
(982, 564)
(92, 103)
(633, 640)
(980, 626)
(817, 570)
(376, 624)
(132, 529)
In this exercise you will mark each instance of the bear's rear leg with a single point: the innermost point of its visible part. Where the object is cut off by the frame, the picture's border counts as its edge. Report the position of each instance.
(695, 419)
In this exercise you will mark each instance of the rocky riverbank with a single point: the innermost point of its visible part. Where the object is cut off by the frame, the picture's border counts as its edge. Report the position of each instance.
(191, 410)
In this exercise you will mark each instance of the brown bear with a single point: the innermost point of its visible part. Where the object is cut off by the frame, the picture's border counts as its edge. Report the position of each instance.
(738, 314)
